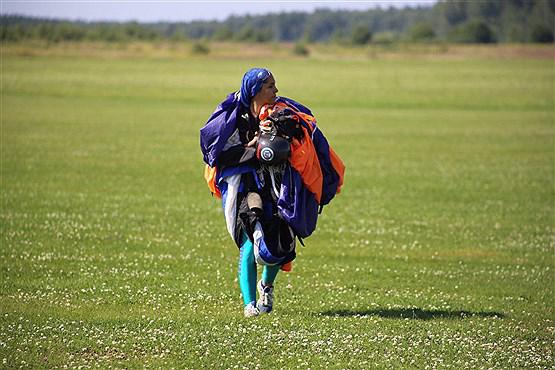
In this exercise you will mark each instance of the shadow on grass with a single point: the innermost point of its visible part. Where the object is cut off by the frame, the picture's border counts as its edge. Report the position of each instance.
(413, 313)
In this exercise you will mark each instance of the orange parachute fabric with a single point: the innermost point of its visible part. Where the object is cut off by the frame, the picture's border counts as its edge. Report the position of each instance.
(210, 174)
(305, 160)
(304, 157)
(336, 162)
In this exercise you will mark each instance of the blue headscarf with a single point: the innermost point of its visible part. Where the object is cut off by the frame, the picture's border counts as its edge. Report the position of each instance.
(252, 83)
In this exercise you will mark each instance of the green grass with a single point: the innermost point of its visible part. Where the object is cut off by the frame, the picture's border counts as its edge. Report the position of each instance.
(438, 252)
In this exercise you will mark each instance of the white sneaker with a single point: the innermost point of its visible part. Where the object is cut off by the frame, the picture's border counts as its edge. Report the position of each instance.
(266, 301)
(251, 310)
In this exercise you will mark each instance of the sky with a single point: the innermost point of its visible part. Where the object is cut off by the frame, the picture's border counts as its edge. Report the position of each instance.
(177, 10)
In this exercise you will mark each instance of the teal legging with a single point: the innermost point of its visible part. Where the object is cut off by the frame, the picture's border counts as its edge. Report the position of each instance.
(247, 272)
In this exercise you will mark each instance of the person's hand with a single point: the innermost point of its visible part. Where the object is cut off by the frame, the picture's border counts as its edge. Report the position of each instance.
(266, 126)
(252, 142)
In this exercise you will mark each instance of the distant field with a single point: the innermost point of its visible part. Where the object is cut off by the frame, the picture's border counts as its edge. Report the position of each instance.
(179, 50)
(438, 253)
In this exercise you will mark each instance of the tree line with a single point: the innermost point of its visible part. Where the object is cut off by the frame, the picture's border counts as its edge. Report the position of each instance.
(484, 21)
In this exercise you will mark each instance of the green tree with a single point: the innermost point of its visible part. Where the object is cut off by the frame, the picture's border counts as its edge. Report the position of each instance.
(200, 48)
(473, 32)
(300, 49)
(361, 35)
(542, 19)
(422, 31)
(178, 35)
(384, 38)
(71, 32)
(245, 34)
(484, 9)
(290, 26)
(263, 35)
(340, 36)
(111, 33)
(321, 25)
(542, 34)
(223, 33)
(454, 11)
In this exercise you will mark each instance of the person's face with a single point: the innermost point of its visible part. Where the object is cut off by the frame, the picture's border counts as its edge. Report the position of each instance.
(267, 93)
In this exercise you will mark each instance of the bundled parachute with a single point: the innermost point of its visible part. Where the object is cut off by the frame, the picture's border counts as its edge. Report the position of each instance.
(310, 172)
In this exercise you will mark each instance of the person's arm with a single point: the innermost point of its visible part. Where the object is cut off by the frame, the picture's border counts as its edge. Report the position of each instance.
(236, 152)
(237, 155)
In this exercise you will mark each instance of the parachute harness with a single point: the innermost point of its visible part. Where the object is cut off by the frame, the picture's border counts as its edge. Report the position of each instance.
(275, 171)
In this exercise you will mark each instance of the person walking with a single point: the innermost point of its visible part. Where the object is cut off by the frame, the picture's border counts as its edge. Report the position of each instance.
(247, 178)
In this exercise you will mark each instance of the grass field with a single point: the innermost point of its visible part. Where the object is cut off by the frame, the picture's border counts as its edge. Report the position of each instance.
(438, 253)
